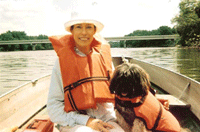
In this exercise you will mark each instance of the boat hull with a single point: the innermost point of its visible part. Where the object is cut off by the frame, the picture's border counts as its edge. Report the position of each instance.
(23, 102)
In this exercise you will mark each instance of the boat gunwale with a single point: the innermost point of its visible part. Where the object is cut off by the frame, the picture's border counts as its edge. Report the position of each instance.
(22, 85)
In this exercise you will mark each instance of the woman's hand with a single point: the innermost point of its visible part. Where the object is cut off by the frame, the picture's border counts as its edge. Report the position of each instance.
(98, 125)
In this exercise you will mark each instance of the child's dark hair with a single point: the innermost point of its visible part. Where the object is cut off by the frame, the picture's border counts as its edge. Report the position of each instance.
(129, 79)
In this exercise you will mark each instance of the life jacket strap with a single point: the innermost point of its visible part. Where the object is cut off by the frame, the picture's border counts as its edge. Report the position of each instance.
(158, 118)
(79, 82)
(84, 80)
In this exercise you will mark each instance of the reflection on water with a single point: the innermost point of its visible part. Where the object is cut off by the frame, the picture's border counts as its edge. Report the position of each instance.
(16, 68)
(165, 57)
(189, 59)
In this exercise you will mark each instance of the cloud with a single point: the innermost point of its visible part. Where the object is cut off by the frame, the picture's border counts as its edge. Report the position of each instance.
(20, 15)
(119, 17)
(123, 17)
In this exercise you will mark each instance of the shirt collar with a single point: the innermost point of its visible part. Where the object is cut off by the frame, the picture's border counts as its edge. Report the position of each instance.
(78, 52)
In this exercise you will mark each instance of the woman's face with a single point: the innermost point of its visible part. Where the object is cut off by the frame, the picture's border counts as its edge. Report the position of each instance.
(83, 34)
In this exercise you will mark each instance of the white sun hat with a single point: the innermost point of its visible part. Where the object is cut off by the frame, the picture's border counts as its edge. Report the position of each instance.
(84, 16)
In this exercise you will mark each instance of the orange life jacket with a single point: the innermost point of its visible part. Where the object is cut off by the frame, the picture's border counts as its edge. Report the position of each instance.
(97, 65)
(149, 111)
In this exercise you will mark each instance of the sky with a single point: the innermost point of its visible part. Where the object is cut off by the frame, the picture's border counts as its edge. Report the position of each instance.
(120, 17)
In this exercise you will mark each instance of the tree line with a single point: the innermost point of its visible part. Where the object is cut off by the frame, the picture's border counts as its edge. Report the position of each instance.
(187, 25)
(21, 35)
(162, 30)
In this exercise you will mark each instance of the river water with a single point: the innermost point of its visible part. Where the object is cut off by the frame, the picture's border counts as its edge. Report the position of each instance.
(17, 68)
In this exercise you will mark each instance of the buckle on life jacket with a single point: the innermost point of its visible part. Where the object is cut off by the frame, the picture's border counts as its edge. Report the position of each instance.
(79, 82)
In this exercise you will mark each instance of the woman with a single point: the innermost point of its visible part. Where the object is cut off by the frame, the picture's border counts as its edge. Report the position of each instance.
(79, 86)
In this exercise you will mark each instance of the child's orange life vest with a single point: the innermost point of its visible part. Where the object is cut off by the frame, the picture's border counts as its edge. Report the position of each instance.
(78, 73)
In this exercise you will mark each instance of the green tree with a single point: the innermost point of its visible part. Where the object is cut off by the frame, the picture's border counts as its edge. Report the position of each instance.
(174, 30)
(188, 22)
(121, 43)
(165, 30)
(19, 35)
(197, 10)
(39, 47)
(42, 36)
(155, 32)
(6, 36)
(24, 47)
(139, 33)
(162, 30)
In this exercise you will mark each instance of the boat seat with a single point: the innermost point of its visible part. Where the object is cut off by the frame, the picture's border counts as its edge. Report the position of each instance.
(173, 101)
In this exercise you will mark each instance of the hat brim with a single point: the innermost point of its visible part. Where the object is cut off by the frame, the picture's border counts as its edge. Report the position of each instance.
(99, 25)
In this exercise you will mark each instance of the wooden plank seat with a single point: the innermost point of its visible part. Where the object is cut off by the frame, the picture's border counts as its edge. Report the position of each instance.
(173, 101)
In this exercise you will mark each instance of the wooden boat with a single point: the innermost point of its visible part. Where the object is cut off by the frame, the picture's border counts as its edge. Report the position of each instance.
(21, 105)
